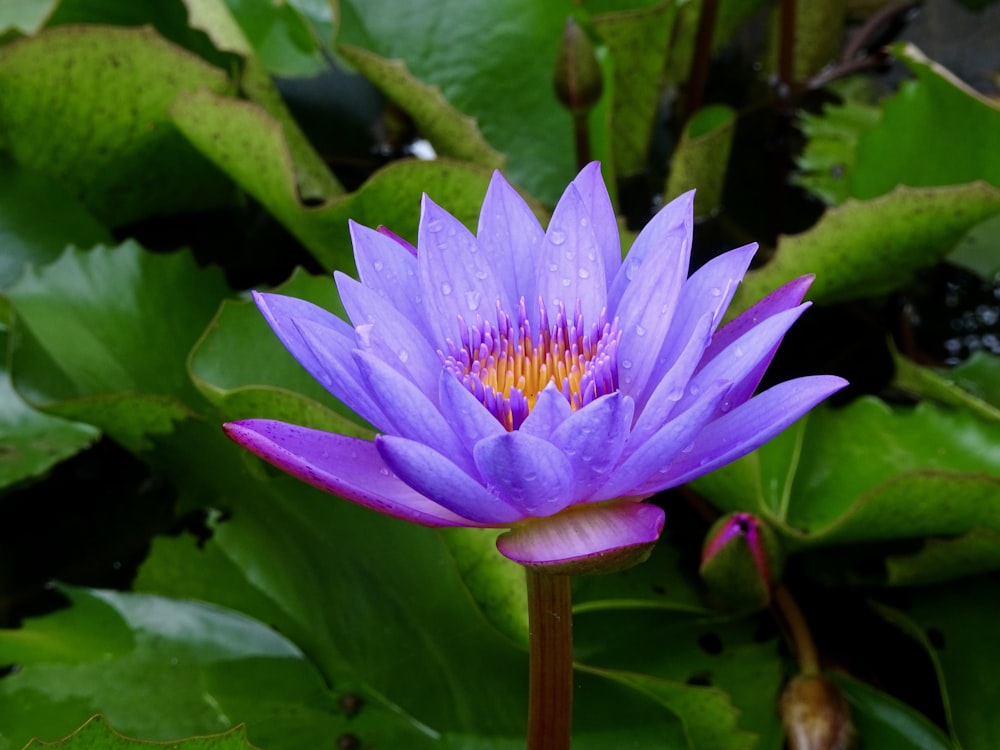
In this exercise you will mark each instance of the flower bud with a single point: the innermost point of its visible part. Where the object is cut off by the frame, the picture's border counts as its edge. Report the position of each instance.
(739, 562)
(578, 80)
(815, 715)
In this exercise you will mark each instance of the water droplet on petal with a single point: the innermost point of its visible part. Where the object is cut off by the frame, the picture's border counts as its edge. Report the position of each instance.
(446, 288)
(583, 273)
(567, 282)
(630, 269)
(472, 299)
(716, 292)
(383, 471)
(403, 355)
(584, 221)
(738, 351)
(726, 406)
(377, 265)
(688, 448)
(434, 225)
(695, 390)
(553, 267)
(627, 364)
(556, 237)
(640, 331)
(481, 274)
(570, 255)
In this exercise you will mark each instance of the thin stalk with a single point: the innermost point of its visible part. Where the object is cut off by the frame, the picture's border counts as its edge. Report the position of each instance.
(581, 139)
(786, 51)
(798, 630)
(702, 56)
(550, 651)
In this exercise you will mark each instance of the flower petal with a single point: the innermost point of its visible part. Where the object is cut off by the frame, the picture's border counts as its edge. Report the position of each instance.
(468, 417)
(392, 335)
(656, 454)
(528, 472)
(510, 236)
(747, 427)
(585, 532)
(325, 354)
(438, 478)
(341, 465)
(456, 280)
(409, 413)
(597, 202)
(593, 439)
(386, 267)
(571, 266)
(551, 410)
(669, 231)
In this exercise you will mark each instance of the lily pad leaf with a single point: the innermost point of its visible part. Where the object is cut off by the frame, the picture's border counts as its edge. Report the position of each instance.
(972, 385)
(868, 472)
(103, 93)
(96, 734)
(865, 248)
(451, 133)
(103, 337)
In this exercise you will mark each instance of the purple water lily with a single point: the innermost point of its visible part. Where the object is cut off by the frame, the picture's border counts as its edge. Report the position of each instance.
(533, 380)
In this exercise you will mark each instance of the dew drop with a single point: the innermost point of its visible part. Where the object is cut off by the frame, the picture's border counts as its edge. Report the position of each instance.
(567, 282)
(738, 351)
(451, 231)
(726, 406)
(530, 476)
(556, 237)
(403, 355)
(481, 274)
(446, 288)
(570, 255)
(472, 299)
(553, 267)
(687, 448)
(640, 331)
(584, 221)
(377, 265)
(695, 390)
(630, 270)
(675, 394)
(627, 364)
(383, 471)
(434, 225)
(583, 273)
(716, 292)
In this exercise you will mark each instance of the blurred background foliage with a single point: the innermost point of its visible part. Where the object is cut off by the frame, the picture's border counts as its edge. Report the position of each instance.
(159, 159)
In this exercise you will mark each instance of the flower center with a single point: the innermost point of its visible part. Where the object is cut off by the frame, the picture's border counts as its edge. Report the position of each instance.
(506, 367)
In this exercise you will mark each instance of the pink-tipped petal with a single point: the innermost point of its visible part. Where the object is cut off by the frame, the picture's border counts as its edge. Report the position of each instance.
(590, 536)
(747, 427)
(571, 266)
(396, 238)
(531, 474)
(344, 466)
(438, 478)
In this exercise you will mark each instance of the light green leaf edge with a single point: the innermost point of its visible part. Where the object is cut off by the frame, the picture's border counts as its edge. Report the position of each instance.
(97, 734)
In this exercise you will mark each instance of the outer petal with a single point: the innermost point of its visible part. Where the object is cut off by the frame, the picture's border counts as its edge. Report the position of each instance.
(589, 532)
(530, 473)
(571, 266)
(456, 279)
(669, 231)
(655, 455)
(593, 439)
(510, 237)
(342, 465)
(436, 477)
(410, 414)
(596, 200)
(748, 427)
(386, 267)
(392, 335)
(551, 410)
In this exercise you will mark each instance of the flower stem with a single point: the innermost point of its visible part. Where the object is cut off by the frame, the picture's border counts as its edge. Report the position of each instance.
(550, 686)
(798, 630)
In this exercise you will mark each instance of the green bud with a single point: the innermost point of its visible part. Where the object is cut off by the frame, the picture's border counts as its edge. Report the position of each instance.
(578, 80)
(815, 715)
(740, 562)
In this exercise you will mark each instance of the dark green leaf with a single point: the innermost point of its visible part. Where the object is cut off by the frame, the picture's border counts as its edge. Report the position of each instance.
(97, 735)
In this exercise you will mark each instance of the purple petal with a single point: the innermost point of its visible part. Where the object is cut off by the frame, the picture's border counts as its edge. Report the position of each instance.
(743, 362)
(597, 202)
(550, 410)
(390, 334)
(510, 237)
(593, 439)
(388, 269)
(656, 454)
(585, 532)
(456, 279)
(669, 231)
(325, 354)
(747, 427)
(344, 466)
(393, 236)
(436, 477)
(409, 413)
(468, 417)
(571, 265)
(783, 298)
(530, 473)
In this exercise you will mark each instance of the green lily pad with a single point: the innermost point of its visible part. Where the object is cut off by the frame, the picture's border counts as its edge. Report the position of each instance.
(103, 96)
(869, 473)
(866, 248)
(977, 551)
(934, 131)
(104, 336)
(972, 385)
(701, 158)
(96, 734)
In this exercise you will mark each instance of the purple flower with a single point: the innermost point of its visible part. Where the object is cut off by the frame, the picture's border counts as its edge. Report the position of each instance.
(533, 380)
